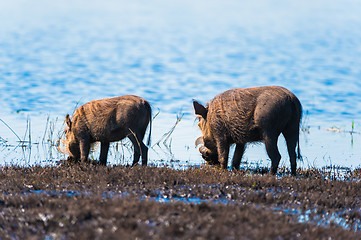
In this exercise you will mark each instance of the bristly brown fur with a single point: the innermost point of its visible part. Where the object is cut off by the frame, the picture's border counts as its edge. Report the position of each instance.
(108, 120)
(248, 115)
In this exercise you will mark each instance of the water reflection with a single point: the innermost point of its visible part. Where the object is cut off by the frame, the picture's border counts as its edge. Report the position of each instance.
(173, 145)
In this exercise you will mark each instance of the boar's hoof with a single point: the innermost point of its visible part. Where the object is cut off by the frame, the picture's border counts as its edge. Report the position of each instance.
(71, 160)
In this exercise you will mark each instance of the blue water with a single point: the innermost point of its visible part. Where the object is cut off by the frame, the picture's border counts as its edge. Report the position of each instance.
(56, 55)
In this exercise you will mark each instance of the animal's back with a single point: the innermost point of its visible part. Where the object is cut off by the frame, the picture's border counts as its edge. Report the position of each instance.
(106, 116)
(241, 113)
(102, 107)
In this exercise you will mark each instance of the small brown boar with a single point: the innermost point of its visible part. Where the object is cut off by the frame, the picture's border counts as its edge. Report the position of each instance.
(108, 120)
(248, 115)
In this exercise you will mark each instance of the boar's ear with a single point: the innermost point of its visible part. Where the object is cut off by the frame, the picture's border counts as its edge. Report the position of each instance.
(199, 109)
(68, 121)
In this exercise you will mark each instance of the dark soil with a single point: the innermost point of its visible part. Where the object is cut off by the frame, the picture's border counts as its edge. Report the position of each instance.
(96, 202)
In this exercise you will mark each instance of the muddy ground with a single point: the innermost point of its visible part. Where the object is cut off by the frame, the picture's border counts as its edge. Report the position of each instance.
(118, 202)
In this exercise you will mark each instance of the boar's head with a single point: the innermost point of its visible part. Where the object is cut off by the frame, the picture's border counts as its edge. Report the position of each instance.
(208, 148)
(210, 156)
(71, 141)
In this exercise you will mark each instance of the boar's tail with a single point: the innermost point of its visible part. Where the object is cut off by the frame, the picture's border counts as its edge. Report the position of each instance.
(298, 111)
(150, 122)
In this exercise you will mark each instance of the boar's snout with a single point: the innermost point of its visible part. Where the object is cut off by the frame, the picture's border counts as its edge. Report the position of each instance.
(209, 156)
(72, 145)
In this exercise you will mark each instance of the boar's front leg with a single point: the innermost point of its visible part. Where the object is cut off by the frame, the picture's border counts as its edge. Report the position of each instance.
(223, 152)
(237, 157)
(84, 150)
(104, 148)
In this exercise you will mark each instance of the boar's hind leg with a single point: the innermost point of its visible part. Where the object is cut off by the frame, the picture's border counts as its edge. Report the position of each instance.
(291, 140)
(84, 150)
(104, 148)
(144, 154)
(272, 151)
(139, 150)
(237, 157)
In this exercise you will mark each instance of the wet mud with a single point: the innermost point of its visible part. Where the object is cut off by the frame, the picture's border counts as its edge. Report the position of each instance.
(118, 202)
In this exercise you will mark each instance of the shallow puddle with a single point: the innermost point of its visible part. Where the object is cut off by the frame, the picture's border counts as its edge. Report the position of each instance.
(309, 216)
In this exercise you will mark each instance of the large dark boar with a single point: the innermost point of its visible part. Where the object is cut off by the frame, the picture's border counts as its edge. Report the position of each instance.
(248, 115)
(108, 120)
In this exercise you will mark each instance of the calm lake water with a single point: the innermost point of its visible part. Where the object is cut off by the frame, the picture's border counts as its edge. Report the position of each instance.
(57, 55)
